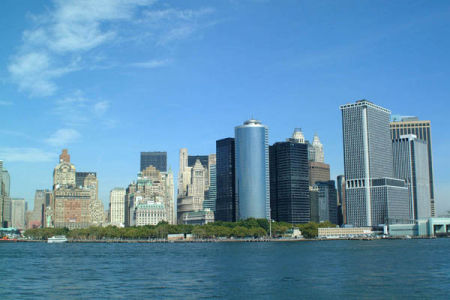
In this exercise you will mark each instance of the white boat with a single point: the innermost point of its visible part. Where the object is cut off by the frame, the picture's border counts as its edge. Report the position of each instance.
(57, 239)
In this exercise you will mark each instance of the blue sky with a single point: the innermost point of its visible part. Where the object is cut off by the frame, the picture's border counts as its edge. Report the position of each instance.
(109, 79)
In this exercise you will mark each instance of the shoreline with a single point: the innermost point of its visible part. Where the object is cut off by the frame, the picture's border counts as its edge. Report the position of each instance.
(162, 241)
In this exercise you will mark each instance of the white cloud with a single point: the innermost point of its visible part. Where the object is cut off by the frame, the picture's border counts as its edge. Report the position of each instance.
(77, 110)
(26, 155)
(63, 39)
(177, 14)
(34, 72)
(151, 64)
(101, 107)
(63, 137)
(176, 24)
(5, 103)
(73, 26)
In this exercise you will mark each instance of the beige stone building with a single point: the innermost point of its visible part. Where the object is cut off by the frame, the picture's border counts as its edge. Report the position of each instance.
(151, 186)
(117, 207)
(75, 197)
(193, 183)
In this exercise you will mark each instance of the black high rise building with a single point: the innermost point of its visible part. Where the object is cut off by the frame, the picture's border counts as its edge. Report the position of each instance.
(193, 158)
(226, 206)
(327, 201)
(289, 182)
(156, 159)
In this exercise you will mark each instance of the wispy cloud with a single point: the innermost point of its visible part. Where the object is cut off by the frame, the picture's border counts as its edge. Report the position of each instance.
(26, 155)
(59, 37)
(151, 64)
(73, 34)
(176, 24)
(34, 72)
(100, 108)
(5, 103)
(76, 110)
(63, 137)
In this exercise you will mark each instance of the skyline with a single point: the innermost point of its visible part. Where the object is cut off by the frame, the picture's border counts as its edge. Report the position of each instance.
(188, 91)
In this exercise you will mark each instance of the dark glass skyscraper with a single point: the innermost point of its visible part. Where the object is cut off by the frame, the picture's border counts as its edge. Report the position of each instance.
(327, 201)
(289, 182)
(156, 159)
(202, 158)
(226, 206)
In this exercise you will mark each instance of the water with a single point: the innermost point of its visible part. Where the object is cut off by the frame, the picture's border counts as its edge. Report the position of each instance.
(320, 269)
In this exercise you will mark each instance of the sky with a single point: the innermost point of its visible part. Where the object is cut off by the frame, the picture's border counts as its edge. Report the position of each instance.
(108, 79)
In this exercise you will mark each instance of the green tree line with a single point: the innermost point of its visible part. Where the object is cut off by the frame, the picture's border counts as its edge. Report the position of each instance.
(250, 228)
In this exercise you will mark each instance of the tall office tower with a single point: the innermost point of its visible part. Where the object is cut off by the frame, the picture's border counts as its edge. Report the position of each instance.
(211, 193)
(226, 206)
(42, 213)
(5, 200)
(318, 171)
(37, 217)
(289, 182)
(327, 200)
(184, 173)
(341, 200)
(156, 159)
(193, 183)
(74, 206)
(117, 207)
(411, 165)
(162, 189)
(18, 207)
(373, 196)
(252, 170)
(318, 149)
(194, 196)
(422, 130)
(314, 203)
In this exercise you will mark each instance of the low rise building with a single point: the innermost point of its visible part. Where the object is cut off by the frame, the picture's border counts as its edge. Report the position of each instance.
(421, 228)
(348, 232)
(200, 217)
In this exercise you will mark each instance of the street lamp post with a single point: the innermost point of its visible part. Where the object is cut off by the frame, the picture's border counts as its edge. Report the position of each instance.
(270, 228)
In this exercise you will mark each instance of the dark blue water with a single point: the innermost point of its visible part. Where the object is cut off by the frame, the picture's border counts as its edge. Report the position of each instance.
(322, 269)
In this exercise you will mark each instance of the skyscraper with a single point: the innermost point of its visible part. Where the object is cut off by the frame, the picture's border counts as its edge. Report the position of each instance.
(327, 200)
(211, 196)
(117, 207)
(289, 182)
(318, 171)
(156, 159)
(318, 149)
(422, 130)
(342, 218)
(5, 200)
(74, 206)
(411, 165)
(37, 217)
(226, 206)
(373, 196)
(18, 206)
(252, 170)
(193, 184)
